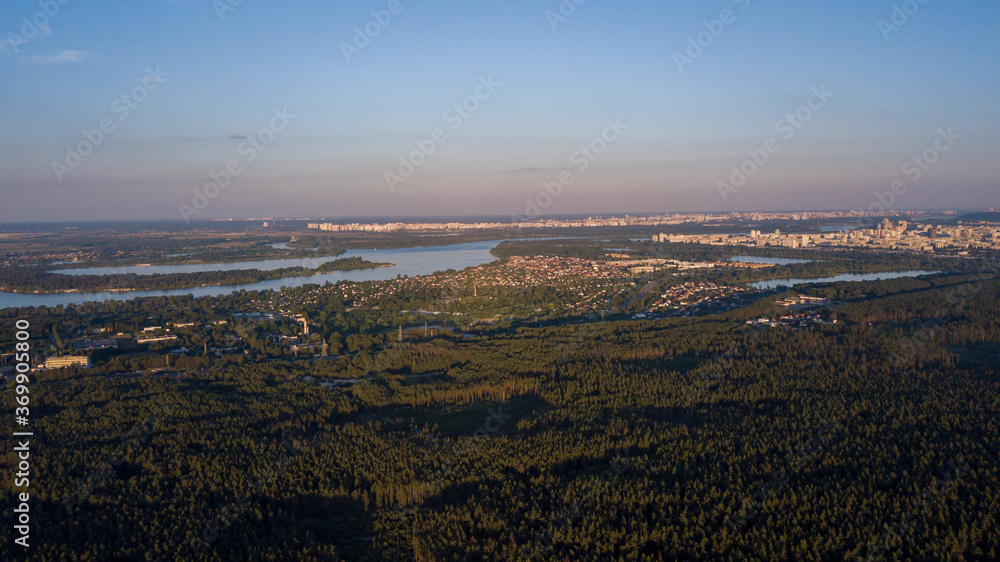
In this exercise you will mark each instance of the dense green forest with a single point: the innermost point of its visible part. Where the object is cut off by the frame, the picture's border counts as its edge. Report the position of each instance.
(681, 439)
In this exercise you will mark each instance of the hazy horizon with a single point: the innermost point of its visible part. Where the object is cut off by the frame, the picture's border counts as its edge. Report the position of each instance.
(316, 104)
(959, 212)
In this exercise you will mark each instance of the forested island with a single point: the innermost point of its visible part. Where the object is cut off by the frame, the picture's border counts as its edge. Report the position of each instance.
(38, 279)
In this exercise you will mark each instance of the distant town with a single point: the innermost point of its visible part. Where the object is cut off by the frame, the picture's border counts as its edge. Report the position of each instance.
(626, 220)
(887, 235)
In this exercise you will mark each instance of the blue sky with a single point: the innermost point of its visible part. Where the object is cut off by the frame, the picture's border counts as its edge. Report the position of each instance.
(556, 83)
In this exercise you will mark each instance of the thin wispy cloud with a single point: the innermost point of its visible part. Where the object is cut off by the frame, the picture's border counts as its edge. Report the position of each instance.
(60, 57)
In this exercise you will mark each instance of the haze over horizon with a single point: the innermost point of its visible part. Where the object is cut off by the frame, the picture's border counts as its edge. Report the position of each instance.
(316, 111)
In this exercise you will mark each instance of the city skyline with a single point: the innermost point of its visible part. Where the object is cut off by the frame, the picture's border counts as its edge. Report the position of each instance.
(948, 214)
(388, 108)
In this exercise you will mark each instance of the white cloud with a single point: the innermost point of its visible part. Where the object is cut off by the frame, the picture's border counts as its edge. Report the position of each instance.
(60, 57)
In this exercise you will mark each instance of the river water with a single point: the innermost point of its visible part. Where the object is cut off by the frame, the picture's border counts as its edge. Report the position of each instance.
(773, 283)
(407, 261)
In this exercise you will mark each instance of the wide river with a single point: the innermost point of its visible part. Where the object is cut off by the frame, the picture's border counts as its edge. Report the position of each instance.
(773, 283)
(407, 261)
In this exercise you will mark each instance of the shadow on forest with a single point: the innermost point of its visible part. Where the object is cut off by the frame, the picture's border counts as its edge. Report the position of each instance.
(702, 412)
